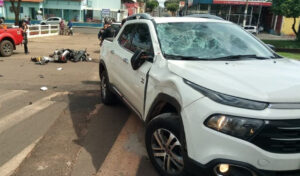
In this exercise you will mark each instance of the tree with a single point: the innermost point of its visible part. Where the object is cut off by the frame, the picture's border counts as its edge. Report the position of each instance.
(151, 5)
(171, 1)
(289, 9)
(16, 10)
(172, 7)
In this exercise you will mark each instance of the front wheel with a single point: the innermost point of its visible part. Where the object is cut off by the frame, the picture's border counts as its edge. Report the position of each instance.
(6, 48)
(165, 145)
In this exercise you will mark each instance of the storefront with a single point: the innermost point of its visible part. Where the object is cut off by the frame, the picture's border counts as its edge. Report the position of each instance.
(259, 11)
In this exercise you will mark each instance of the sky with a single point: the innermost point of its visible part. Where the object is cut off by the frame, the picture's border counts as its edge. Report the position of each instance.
(161, 2)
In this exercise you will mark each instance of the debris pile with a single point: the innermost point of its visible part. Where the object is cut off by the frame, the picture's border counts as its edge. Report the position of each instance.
(63, 56)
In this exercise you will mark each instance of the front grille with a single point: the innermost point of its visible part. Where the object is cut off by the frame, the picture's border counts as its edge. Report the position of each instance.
(279, 136)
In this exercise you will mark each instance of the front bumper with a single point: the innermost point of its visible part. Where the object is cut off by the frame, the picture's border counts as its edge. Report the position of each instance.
(205, 145)
(236, 169)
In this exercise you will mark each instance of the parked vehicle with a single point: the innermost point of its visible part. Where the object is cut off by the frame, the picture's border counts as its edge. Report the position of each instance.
(52, 20)
(251, 29)
(9, 39)
(215, 100)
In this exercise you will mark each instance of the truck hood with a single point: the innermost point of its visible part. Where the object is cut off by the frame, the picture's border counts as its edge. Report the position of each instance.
(262, 80)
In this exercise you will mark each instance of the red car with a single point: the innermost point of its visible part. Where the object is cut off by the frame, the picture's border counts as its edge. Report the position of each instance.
(9, 39)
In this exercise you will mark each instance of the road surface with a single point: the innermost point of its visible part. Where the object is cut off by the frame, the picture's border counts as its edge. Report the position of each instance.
(65, 130)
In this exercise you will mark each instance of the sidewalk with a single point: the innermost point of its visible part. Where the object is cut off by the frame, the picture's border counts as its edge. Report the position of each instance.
(265, 36)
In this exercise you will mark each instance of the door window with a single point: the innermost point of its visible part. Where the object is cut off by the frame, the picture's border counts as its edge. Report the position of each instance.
(125, 38)
(142, 39)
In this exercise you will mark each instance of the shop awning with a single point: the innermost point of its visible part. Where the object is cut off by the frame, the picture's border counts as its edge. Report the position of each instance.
(243, 2)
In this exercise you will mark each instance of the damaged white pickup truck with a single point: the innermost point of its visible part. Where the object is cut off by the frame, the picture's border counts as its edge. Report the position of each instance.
(215, 100)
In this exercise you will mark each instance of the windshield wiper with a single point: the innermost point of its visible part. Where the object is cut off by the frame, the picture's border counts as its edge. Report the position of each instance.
(176, 57)
(240, 57)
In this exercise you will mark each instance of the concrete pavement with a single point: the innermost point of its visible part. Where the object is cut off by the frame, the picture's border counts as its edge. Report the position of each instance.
(65, 130)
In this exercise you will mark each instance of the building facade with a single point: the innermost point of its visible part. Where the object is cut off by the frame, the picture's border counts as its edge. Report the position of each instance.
(75, 10)
(29, 8)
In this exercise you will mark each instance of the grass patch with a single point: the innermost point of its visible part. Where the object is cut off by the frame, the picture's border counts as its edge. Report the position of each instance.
(290, 55)
(289, 44)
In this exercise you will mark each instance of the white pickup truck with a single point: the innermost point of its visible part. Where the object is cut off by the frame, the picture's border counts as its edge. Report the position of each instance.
(215, 99)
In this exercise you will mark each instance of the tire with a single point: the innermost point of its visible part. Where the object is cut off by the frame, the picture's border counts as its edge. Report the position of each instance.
(107, 96)
(43, 23)
(6, 48)
(169, 159)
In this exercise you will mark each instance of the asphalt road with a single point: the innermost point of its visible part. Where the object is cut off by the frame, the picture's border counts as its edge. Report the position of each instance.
(65, 130)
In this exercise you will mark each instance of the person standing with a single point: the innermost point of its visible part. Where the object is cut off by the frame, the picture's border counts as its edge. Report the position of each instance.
(62, 27)
(70, 28)
(25, 39)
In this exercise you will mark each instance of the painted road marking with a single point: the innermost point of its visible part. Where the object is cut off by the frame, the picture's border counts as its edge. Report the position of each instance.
(11, 95)
(26, 112)
(9, 167)
(120, 160)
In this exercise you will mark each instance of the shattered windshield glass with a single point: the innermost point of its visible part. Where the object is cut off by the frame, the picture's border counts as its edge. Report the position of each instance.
(208, 40)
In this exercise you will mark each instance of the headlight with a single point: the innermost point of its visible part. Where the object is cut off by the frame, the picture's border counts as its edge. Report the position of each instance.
(243, 128)
(227, 99)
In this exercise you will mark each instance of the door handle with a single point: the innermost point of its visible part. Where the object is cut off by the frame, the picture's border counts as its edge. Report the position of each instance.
(125, 60)
(112, 51)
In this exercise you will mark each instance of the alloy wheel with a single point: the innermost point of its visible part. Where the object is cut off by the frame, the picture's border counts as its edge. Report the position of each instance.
(7, 48)
(167, 151)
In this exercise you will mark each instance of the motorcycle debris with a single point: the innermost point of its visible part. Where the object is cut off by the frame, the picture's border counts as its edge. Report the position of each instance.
(44, 88)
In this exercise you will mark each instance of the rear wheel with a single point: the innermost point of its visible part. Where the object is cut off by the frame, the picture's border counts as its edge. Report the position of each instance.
(165, 145)
(6, 48)
(107, 96)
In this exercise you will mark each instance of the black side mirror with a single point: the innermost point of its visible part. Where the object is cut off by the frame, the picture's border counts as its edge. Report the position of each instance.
(271, 46)
(137, 60)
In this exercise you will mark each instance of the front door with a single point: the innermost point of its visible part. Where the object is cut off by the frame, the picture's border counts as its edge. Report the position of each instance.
(133, 82)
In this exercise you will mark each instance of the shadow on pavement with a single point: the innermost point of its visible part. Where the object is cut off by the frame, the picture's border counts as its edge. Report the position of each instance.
(97, 127)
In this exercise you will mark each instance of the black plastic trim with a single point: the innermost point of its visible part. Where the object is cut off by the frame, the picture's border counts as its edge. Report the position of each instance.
(162, 98)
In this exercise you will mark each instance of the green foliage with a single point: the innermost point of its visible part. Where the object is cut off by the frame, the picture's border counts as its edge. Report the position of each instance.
(288, 8)
(171, 1)
(173, 7)
(287, 44)
(151, 5)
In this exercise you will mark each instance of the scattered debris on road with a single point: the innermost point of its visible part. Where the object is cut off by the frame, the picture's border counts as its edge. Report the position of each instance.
(1, 76)
(63, 56)
(59, 69)
(44, 88)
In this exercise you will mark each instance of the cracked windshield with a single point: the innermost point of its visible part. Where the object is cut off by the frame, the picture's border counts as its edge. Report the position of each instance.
(208, 40)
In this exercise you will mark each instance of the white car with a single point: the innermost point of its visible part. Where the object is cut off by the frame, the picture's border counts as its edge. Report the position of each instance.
(215, 100)
(52, 20)
(251, 29)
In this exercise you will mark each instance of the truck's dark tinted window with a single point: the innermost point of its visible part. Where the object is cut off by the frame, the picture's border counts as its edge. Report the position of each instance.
(126, 36)
(142, 39)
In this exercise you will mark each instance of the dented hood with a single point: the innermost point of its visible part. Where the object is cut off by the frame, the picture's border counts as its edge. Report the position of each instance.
(262, 80)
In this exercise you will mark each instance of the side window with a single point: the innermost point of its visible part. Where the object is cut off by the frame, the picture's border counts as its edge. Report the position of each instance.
(126, 37)
(142, 39)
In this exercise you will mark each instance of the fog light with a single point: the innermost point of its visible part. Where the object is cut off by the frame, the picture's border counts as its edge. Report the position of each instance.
(223, 168)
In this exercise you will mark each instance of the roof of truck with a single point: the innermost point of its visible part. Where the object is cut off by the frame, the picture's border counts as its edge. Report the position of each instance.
(185, 19)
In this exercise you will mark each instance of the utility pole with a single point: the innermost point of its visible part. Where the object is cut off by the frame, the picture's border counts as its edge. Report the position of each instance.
(245, 13)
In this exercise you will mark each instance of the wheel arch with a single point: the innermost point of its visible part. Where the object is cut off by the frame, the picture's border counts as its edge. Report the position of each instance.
(9, 39)
(163, 103)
